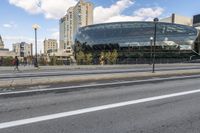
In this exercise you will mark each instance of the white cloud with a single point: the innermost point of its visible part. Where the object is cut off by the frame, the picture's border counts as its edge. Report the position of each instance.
(115, 13)
(149, 13)
(28, 5)
(7, 25)
(56, 9)
(50, 8)
(10, 25)
(142, 14)
(102, 14)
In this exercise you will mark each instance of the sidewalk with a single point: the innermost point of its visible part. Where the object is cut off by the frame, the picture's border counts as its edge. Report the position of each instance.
(73, 67)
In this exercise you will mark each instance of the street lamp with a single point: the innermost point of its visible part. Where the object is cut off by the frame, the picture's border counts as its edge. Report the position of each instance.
(154, 47)
(151, 42)
(35, 27)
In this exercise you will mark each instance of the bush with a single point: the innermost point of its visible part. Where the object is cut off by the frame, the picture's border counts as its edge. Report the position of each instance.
(53, 60)
(7, 61)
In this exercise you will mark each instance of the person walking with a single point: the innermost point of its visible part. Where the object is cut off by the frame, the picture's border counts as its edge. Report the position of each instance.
(16, 63)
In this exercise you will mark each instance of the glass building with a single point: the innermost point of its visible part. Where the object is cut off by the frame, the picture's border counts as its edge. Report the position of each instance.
(132, 40)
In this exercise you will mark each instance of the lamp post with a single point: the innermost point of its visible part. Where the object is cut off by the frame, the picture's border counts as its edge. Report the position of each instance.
(35, 27)
(151, 42)
(154, 47)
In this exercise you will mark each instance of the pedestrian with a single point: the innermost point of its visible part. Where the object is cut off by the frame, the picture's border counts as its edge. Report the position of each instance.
(16, 64)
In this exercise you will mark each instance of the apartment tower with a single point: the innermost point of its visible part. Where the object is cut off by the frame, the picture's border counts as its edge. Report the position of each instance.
(78, 16)
(50, 45)
(23, 49)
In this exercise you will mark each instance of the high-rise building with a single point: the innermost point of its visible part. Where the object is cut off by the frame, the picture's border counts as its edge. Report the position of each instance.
(50, 45)
(70, 26)
(177, 19)
(1, 43)
(78, 16)
(196, 20)
(23, 49)
(83, 14)
(63, 32)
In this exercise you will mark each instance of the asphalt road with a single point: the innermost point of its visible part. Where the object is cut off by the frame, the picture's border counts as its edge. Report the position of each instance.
(144, 68)
(163, 107)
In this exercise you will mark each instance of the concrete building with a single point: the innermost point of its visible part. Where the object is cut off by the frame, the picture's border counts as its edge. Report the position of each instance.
(63, 32)
(1, 43)
(177, 19)
(50, 45)
(78, 16)
(70, 27)
(5, 52)
(83, 14)
(23, 49)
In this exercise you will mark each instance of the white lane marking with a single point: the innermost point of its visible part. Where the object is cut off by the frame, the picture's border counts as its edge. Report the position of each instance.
(92, 109)
(97, 85)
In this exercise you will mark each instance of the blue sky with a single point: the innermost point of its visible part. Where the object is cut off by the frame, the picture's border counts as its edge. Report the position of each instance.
(17, 16)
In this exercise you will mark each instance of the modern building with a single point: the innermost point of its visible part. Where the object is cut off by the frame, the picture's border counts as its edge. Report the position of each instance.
(178, 19)
(78, 16)
(196, 20)
(196, 24)
(50, 45)
(132, 40)
(23, 49)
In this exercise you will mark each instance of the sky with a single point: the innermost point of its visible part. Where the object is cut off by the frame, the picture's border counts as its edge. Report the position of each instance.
(18, 16)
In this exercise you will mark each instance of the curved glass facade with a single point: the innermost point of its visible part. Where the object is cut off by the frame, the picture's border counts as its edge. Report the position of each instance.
(124, 36)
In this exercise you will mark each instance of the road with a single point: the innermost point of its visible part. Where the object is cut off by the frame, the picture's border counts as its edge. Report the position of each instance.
(143, 68)
(162, 107)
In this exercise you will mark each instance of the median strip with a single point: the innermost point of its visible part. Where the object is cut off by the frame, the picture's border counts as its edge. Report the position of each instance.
(100, 85)
(94, 77)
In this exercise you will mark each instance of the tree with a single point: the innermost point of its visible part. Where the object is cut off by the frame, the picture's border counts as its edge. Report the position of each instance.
(102, 58)
(7, 61)
(53, 60)
(88, 58)
(108, 57)
(59, 62)
(42, 60)
(80, 56)
(113, 57)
